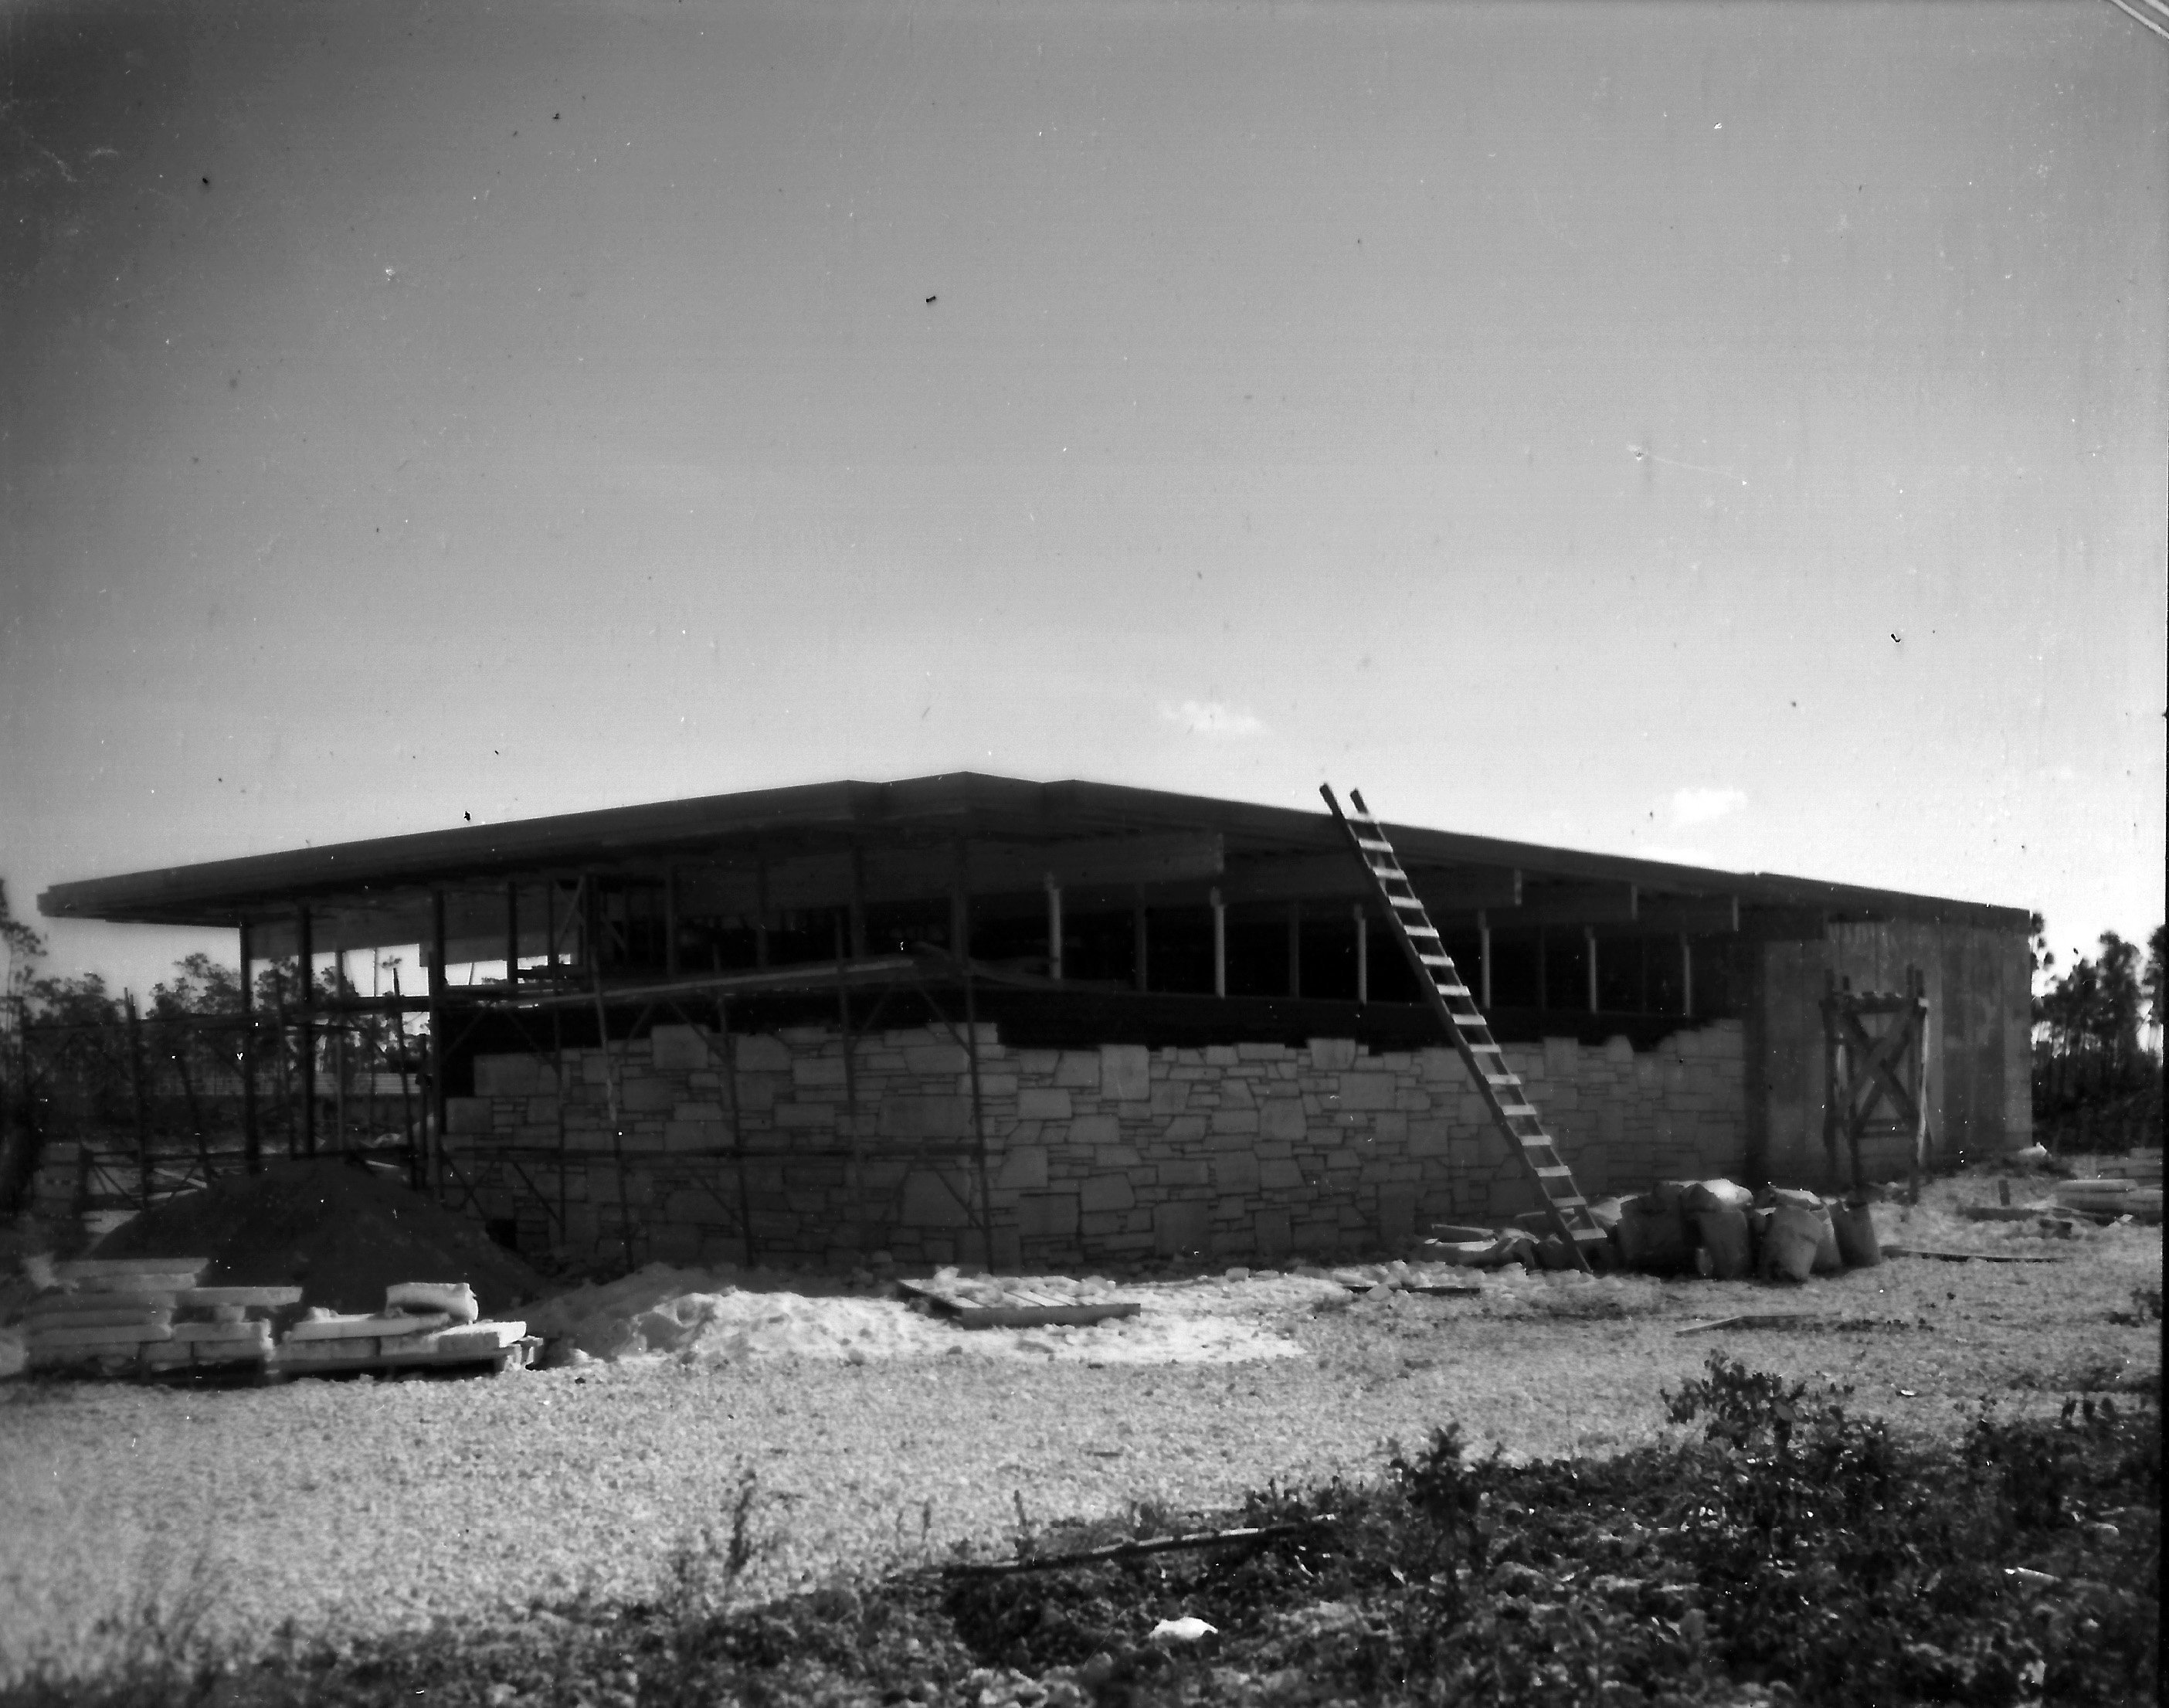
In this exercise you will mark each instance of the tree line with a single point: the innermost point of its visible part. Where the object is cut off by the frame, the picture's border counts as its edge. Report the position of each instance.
(81, 1061)
(2093, 1053)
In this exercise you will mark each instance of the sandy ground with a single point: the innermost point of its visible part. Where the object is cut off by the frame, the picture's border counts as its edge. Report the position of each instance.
(344, 1506)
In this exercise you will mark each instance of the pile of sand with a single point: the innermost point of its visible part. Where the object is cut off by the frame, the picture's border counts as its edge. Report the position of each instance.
(712, 1316)
(340, 1231)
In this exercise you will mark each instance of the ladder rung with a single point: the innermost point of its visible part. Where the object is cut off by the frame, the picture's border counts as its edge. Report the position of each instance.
(1591, 1236)
(1380, 845)
(1484, 1049)
(1517, 1112)
(1497, 1080)
(1561, 1172)
(1406, 901)
(1437, 961)
(1452, 990)
(1536, 1141)
(1418, 930)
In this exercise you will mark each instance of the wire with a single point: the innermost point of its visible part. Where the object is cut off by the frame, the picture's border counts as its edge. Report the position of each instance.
(2140, 17)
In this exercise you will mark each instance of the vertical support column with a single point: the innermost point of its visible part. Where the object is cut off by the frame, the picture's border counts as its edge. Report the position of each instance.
(858, 902)
(1543, 973)
(670, 921)
(978, 1108)
(286, 1071)
(1687, 975)
(512, 937)
(1140, 946)
(856, 1185)
(557, 1072)
(1054, 928)
(1836, 1087)
(1589, 948)
(761, 913)
(1363, 958)
(1484, 955)
(738, 1126)
(305, 953)
(341, 1023)
(433, 1134)
(415, 1177)
(550, 928)
(960, 903)
(251, 1140)
(1219, 945)
(1295, 948)
(142, 1113)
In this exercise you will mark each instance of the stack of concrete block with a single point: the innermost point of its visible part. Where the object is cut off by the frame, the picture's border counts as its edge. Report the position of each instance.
(220, 1328)
(108, 1314)
(423, 1323)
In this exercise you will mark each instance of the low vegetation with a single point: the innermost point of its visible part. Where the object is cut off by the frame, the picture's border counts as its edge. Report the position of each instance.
(1781, 1549)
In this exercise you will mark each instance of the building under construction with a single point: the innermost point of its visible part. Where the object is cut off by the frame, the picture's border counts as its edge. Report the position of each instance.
(967, 1018)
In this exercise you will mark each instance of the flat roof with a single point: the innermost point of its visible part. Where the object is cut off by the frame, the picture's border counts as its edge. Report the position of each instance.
(818, 840)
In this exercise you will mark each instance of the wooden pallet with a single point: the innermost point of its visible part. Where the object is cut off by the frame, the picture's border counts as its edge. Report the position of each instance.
(471, 1348)
(1021, 1307)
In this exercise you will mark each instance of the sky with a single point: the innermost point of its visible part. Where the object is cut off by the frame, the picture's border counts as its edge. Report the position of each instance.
(1727, 433)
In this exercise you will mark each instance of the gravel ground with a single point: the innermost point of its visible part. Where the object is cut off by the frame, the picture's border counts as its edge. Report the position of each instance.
(350, 1506)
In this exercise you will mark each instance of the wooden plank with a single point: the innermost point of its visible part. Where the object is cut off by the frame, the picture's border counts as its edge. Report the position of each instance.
(1808, 1320)
(96, 1339)
(41, 1315)
(365, 1327)
(1944, 1257)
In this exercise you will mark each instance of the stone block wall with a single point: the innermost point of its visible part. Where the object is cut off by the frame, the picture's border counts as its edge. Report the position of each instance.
(1247, 1152)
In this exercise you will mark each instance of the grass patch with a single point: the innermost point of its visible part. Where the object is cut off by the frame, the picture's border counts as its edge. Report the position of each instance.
(1779, 1548)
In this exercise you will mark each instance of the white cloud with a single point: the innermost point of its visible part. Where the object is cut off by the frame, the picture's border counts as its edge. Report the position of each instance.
(1211, 718)
(1705, 806)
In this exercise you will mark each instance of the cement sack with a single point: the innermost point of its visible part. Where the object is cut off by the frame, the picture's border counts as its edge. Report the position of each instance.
(1795, 1235)
(1605, 1212)
(1725, 1240)
(1828, 1260)
(1858, 1247)
(454, 1298)
(1671, 1194)
(1717, 1195)
(1652, 1238)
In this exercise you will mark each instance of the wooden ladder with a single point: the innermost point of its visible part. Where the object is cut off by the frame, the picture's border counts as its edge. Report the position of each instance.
(1450, 1000)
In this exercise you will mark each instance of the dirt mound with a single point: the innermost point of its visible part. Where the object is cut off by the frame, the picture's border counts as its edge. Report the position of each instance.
(341, 1233)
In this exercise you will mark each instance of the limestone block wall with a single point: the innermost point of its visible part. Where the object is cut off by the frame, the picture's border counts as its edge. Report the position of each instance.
(1247, 1152)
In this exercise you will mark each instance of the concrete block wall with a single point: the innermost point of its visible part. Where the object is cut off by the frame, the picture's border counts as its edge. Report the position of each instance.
(1246, 1152)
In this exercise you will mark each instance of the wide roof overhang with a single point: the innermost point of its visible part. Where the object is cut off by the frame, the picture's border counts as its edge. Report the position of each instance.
(823, 843)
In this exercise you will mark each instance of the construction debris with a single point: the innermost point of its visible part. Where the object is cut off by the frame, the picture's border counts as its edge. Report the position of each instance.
(1028, 1301)
(147, 1316)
